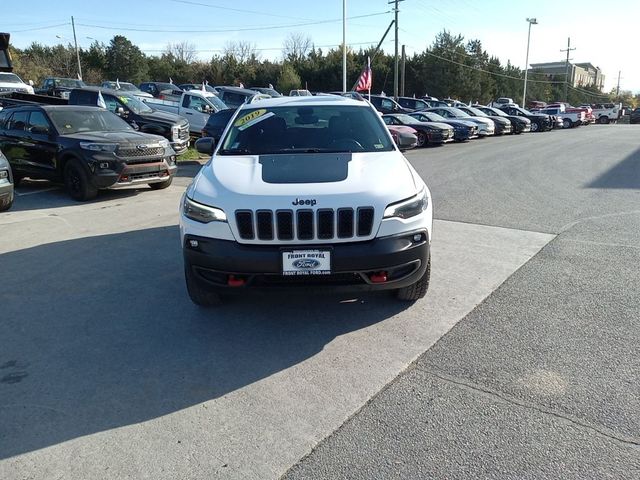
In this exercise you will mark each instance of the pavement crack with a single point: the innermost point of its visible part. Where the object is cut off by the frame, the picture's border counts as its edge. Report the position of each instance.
(497, 395)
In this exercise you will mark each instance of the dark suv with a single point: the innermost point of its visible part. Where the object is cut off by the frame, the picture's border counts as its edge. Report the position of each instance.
(6, 184)
(387, 105)
(216, 123)
(413, 104)
(86, 148)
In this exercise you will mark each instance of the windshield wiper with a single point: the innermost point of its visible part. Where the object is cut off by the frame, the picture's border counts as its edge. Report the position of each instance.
(235, 151)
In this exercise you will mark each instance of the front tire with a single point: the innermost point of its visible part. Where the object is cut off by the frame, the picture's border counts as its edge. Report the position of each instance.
(567, 123)
(603, 120)
(422, 139)
(198, 293)
(6, 203)
(77, 181)
(534, 127)
(161, 185)
(417, 290)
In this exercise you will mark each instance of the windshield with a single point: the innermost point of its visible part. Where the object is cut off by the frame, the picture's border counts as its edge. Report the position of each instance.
(167, 86)
(495, 111)
(407, 119)
(433, 117)
(69, 83)
(458, 113)
(476, 112)
(306, 129)
(522, 110)
(216, 102)
(135, 105)
(128, 87)
(10, 78)
(70, 121)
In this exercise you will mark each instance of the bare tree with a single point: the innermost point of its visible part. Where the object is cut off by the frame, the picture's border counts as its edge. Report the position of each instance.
(182, 51)
(296, 46)
(242, 51)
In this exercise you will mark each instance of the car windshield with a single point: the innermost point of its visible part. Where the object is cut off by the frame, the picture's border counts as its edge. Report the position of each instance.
(128, 87)
(135, 105)
(522, 110)
(70, 121)
(495, 111)
(407, 119)
(306, 129)
(477, 112)
(69, 83)
(433, 117)
(10, 78)
(166, 86)
(458, 113)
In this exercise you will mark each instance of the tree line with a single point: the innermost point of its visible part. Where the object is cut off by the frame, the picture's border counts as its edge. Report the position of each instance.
(450, 67)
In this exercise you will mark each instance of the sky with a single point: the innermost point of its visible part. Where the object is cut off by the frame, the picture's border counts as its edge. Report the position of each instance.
(597, 29)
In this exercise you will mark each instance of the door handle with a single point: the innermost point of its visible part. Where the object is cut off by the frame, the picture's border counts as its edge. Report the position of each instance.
(189, 113)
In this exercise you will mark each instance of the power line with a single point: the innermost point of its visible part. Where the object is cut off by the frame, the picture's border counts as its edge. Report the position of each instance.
(42, 28)
(212, 50)
(200, 4)
(226, 30)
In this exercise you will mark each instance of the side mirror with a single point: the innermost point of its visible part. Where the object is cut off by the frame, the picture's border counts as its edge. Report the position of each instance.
(406, 142)
(31, 83)
(39, 130)
(120, 111)
(206, 145)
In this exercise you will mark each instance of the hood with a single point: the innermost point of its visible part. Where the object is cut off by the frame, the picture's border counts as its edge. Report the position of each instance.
(401, 129)
(435, 125)
(15, 87)
(371, 178)
(499, 119)
(461, 123)
(518, 119)
(158, 116)
(122, 137)
(483, 120)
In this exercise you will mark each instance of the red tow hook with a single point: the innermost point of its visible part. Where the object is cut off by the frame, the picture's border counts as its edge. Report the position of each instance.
(378, 277)
(234, 281)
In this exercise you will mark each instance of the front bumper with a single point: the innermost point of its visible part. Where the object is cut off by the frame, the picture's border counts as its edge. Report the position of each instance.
(180, 146)
(354, 266)
(121, 174)
(440, 136)
(6, 189)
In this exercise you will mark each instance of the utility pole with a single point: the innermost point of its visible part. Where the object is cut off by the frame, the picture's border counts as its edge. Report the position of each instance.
(618, 87)
(402, 71)
(377, 49)
(344, 45)
(532, 21)
(395, 67)
(73, 25)
(566, 69)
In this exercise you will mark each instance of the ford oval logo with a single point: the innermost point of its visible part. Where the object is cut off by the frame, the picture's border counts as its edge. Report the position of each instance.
(141, 147)
(306, 263)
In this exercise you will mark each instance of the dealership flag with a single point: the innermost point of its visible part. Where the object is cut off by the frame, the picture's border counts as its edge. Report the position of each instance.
(365, 80)
(117, 84)
(101, 102)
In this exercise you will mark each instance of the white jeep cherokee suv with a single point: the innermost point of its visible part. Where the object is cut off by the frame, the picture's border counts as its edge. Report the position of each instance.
(305, 191)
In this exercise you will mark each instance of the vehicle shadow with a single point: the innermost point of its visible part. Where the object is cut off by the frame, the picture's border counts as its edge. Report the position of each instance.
(29, 195)
(98, 333)
(625, 174)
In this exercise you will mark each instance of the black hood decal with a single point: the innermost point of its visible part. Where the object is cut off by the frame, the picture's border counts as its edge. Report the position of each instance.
(305, 167)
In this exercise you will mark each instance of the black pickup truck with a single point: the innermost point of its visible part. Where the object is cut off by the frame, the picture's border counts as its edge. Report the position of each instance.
(59, 87)
(86, 148)
(137, 114)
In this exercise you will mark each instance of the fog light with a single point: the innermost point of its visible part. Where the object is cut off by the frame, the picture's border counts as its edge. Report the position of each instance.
(104, 164)
(417, 237)
(193, 243)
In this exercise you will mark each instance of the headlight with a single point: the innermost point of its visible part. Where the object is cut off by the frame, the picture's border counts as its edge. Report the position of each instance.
(99, 147)
(408, 208)
(164, 143)
(175, 132)
(202, 213)
(4, 174)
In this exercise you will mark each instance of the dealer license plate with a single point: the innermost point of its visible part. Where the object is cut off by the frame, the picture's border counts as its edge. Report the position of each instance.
(306, 262)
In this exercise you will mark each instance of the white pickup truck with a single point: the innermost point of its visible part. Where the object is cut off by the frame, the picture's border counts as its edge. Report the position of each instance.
(607, 112)
(571, 117)
(194, 105)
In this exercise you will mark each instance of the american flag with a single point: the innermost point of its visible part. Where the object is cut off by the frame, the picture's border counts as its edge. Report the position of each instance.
(365, 80)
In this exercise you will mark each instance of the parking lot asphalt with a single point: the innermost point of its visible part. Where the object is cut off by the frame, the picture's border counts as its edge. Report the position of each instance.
(108, 371)
(542, 380)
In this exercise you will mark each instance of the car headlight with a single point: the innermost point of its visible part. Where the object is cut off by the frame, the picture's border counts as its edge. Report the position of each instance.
(4, 174)
(164, 143)
(175, 132)
(202, 213)
(408, 208)
(99, 147)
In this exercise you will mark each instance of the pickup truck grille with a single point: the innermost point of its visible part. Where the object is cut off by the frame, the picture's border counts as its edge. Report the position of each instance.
(305, 224)
(183, 132)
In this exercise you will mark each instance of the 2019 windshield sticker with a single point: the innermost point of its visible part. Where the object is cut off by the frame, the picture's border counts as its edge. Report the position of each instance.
(252, 118)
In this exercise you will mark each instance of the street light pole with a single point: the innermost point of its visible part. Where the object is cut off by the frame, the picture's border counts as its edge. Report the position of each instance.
(75, 40)
(344, 45)
(532, 21)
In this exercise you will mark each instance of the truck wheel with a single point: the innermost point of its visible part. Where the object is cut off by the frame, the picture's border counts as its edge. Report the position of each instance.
(417, 290)
(161, 185)
(77, 181)
(566, 123)
(603, 120)
(197, 293)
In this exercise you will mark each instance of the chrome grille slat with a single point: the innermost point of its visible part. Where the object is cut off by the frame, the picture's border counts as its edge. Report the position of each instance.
(145, 152)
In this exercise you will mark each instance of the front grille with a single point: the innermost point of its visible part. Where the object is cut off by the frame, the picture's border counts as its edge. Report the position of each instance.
(144, 152)
(305, 224)
(183, 132)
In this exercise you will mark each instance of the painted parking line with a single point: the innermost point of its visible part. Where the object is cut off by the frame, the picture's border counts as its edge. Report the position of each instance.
(33, 192)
